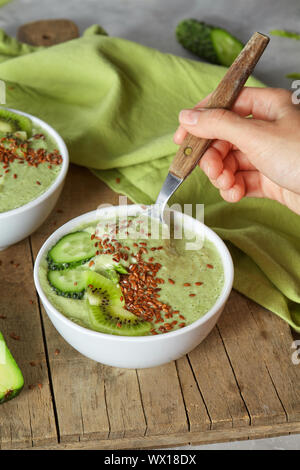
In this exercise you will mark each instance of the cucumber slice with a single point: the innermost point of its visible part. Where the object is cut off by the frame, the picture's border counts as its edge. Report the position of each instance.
(69, 283)
(71, 250)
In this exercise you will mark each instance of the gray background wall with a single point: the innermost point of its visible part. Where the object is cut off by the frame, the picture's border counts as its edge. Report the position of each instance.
(152, 22)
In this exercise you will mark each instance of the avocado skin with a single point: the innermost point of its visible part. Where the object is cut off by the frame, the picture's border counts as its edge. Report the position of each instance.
(195, 36)
(16, 387)
(10, 394)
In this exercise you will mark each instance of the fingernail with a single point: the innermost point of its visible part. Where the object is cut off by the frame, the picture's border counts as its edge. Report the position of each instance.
(188, 116)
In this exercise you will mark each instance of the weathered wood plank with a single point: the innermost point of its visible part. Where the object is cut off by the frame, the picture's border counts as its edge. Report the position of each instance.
(78, 388)
(195, 438)
(162, 400)
(153, 407)
(197, 414)
(240, 335)
(124, 406)
(274, 338)
(15, 429)
(217, 384)
(90, 399)
(80, 402)
(28, 419)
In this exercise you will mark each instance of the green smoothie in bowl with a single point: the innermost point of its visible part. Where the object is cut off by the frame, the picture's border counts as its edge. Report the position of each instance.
(116, 277)
(29, 160)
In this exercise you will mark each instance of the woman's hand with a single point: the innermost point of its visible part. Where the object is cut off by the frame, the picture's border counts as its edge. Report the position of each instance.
(253, 157)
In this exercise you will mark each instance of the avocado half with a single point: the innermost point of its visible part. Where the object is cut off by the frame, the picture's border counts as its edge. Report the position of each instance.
(11, 378)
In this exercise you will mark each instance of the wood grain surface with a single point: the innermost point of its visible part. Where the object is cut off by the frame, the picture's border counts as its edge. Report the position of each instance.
(239, 383)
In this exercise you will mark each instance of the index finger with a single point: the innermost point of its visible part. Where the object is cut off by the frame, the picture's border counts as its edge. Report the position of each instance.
(181, 132)
(266, 104)
(262, 103)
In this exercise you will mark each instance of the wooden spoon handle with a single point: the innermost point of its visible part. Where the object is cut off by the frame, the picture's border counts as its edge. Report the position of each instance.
(224, 96)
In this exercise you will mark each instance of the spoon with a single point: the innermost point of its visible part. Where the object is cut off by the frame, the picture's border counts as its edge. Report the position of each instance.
(193, 148)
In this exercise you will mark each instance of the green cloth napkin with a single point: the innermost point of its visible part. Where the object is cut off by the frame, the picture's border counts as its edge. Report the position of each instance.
(3, 2)
(116, 104)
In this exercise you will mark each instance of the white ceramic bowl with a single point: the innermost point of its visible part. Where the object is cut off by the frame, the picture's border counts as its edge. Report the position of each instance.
(17, 224)
(142, 351)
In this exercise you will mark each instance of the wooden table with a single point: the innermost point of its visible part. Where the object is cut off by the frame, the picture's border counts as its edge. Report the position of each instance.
(239, 383)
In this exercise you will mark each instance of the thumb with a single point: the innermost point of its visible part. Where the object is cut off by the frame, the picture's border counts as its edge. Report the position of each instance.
(220, 124)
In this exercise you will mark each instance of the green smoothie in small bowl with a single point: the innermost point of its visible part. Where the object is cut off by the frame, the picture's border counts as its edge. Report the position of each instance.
(29, 160)
(115, 277)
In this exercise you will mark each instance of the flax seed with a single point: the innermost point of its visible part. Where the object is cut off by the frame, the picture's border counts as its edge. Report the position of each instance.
(15, 337)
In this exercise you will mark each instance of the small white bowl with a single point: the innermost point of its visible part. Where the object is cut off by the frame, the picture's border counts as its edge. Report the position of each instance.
(17, 224)
(142, 351)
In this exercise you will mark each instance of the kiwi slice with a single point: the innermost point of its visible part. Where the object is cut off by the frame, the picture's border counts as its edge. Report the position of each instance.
(102, 290)
(11, 122)
(106, 309)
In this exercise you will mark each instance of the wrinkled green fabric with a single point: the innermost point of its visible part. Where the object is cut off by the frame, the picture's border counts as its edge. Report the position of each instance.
(116, 104)
(3, 2)
(10, 47)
